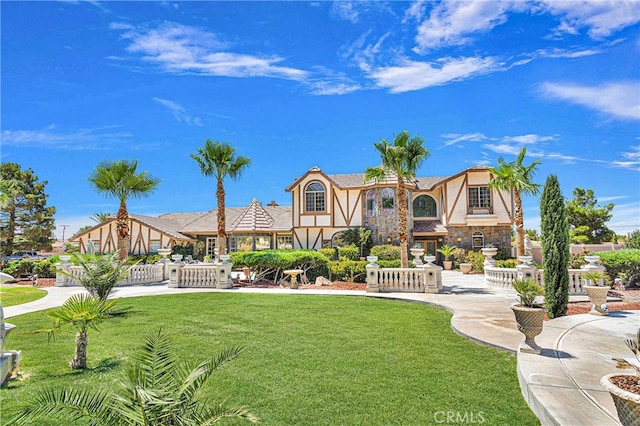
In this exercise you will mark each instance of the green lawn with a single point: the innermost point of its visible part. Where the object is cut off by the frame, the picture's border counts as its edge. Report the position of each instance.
(308, 360)
(10, 296)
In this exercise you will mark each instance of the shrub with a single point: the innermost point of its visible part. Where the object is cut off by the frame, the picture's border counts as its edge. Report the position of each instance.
(620, 262)
(476, 259)
(349, 253)
(508, 263)
(386, 252)
(349, 270)
(576, 261)
(503, 254)
(633, 240)
(329, 253)
(19, 267)
(46, 268)
(269, 264)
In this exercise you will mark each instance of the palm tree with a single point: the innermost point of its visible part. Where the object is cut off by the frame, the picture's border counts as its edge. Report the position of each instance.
(403, 158)
(100, 217)
(517, 178)
(157, 390)
(219, 160)
(100, 273)
(83, 312)
(119, 179)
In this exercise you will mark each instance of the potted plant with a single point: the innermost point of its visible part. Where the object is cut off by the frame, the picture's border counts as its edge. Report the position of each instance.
(597, 293)
(625, 388)
(463, 262)
(447, 251)
(529, 315)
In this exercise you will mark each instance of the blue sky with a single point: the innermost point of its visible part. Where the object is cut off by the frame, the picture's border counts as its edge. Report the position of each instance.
(300, 84)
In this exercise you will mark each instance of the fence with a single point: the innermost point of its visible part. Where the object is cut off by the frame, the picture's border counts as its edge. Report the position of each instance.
(504, 277)
(425, 279)
(139, 274)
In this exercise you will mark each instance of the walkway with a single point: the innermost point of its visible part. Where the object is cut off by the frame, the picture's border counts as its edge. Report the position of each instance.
(561, 385)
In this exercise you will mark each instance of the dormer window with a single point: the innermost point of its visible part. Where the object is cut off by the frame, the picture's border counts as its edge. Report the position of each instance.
(314, 196)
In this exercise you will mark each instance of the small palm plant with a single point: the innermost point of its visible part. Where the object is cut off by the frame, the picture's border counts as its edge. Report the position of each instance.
(593, 278)
(447, 251)
(83, 312)
(101, 273)
(527, 291)
(634, 345)
(157, 390)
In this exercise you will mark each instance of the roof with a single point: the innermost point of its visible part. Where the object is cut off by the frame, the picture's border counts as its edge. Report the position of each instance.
(356, 180)
(208, 223)
(428, 227)
(253, 218)
(169, 224)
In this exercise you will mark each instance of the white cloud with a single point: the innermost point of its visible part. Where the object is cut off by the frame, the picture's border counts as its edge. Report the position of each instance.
(451, 23)
(178, 112)
(454, 138)
(629, 160)
(626, 218)
(81, 139)
(602, 18)
(617, 99)
(528, 139)
(566, 53)
(345, 10)
(411, 75)
(182, 49)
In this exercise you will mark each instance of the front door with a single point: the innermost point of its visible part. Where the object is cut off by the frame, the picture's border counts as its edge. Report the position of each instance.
(430, 246)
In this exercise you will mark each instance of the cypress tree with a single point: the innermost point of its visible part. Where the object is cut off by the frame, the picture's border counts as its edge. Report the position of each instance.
(555, 248)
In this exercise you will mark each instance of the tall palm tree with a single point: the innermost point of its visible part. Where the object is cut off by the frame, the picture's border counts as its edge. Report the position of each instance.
(119, 179)
(403, 158)
(83, 312)
(517, 178)
(219, 160)
(158, 389)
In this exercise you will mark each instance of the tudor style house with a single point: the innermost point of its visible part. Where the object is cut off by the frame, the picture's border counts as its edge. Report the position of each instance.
(460, 210)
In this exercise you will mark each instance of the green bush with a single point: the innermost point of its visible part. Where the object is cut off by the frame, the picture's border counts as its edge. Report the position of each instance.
(620, 262)
(576, 261)
(476, 259)
(19, 267)
(349, 253)
(507, 263)
(269, 264)
(386, 252)
(349, 270)
(46, 268)
(503, 254)
(329, 253)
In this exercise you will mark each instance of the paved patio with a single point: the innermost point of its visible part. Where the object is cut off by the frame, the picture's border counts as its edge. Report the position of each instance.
(561, 385)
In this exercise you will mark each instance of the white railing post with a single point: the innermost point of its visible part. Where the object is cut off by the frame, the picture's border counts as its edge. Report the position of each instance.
(224, 272)
(432, 278)
(175, 275)
(372, 274)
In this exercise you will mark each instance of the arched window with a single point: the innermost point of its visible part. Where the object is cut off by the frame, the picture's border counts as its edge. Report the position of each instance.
(387, 201)
(477, 240)
(424, 206)
(371, 203)
(314, 197)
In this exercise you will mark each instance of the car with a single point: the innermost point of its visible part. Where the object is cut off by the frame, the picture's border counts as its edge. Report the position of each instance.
(19, 255)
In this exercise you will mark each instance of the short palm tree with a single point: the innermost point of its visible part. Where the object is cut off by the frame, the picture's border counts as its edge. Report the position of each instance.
(403, 158)
(157, 390)
(100, 273)
(121, 180)
(518, 178)
(83, 312)
(220, 161)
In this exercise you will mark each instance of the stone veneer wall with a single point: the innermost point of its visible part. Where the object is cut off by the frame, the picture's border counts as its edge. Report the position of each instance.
(383, 225)
(499, 236)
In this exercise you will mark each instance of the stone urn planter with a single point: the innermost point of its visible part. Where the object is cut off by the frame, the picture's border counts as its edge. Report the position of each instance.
(625, 388)
(598, 298)
(488, 253)
(529, 317)
(465, 268)
(530, 321)
(417, 253)
(627, 403)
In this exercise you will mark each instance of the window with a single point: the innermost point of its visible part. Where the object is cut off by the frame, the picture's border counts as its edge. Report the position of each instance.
(154, 246)
(479, 197)
(387, 201)
(477, 240)
(371, 203)
(285, 242)
(314, 197)
(211, 246)
(424, 206)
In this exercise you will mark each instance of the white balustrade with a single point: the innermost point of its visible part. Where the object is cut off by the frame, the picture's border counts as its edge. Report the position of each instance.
(401, 279)
(504, 277)
(199, 276)
(139, 274)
